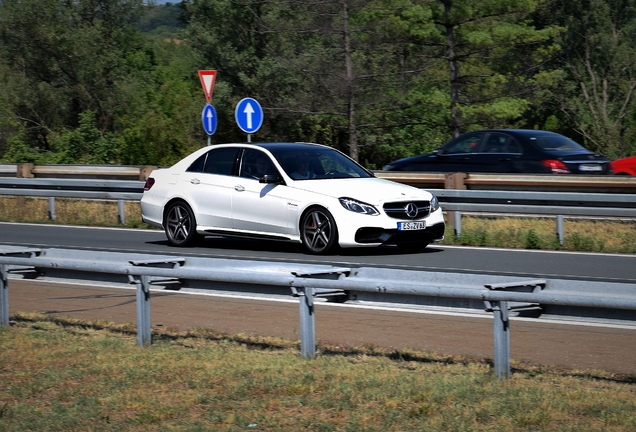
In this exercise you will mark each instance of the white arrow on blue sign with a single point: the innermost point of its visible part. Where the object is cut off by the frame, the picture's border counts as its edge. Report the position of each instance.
(208, 118)
(249, 115)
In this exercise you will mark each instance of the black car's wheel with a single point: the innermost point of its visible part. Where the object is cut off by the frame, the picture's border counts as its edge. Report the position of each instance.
(180, 225)
(318, 231)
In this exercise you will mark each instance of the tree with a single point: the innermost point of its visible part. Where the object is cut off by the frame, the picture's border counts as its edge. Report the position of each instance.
(600, 54)
(66, 58)
(494, 56)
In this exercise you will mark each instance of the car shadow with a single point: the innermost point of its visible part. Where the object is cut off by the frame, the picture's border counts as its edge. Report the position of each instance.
(251, 245)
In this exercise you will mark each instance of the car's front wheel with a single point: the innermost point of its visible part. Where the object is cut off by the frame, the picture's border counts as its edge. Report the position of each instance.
(180, 225)
(319, 232)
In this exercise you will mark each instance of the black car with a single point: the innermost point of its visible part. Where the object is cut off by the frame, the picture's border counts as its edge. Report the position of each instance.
(508, 151)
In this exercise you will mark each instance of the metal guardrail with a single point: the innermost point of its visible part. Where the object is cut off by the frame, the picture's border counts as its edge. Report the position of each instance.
(533, 202)
(515, 182)
(112, 172)
(497, 294)
(117, 190)
(73, 188)
(518, 182)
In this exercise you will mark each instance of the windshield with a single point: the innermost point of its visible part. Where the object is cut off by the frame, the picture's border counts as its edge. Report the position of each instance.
(317, 163)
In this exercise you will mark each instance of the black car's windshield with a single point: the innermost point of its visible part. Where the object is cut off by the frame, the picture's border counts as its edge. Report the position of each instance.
(317, 163)
(555, 143)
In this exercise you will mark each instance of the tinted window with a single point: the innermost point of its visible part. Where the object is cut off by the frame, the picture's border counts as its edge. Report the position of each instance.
(256, 164)
(500, 143)
(322, 162)
(197, 165)
(221, 161)
(555, 143)
(468, 143)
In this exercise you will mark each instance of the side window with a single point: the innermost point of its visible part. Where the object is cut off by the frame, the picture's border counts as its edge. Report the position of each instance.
(197, 165)
(256, 164)
(465, 144)
(501, 143)
(221, 161)
(513, 146)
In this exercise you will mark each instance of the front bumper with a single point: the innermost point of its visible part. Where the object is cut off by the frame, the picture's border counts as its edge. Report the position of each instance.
(357, 230)
(371, 235)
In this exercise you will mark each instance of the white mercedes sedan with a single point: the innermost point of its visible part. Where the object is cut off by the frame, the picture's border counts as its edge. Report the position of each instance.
(298, 192)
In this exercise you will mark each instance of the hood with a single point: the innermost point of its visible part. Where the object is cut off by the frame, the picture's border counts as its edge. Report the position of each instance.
(370, 190)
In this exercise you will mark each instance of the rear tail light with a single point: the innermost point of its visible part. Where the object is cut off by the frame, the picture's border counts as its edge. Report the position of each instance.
(149, 183)
(556, 166)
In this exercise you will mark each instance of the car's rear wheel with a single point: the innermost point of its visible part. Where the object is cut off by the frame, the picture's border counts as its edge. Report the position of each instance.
(180, 225)
(319, 232)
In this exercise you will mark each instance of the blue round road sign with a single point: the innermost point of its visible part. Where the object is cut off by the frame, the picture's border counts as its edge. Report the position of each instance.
(208, 118)
(249, 115)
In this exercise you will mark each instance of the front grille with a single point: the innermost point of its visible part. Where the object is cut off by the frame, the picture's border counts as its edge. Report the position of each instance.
(398, 210)
(392, 236)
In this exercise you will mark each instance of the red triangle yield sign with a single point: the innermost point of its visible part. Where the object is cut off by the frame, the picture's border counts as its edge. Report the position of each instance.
(207, 78)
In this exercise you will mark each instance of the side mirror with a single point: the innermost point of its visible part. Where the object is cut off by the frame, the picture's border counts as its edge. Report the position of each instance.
(270, 178)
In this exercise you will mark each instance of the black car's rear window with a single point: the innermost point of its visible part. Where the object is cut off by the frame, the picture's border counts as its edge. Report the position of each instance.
(555, 143)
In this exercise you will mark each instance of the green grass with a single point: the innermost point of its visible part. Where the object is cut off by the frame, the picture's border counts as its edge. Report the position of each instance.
(64, 374)
(504, 232)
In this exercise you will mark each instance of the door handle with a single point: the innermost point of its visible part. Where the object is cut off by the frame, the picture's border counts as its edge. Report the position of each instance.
(239, 188)
(195, 181)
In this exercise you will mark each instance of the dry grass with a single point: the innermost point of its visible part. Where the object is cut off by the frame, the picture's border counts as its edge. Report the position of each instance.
(64, 374)
(611, 236)
(68, 211)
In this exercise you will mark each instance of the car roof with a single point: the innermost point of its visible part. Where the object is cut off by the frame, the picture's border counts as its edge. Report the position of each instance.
(273, 146)
(270, 146)
(524, 132)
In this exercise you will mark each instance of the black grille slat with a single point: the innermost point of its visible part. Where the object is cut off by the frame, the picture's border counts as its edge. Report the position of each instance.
(393, 236)
(397, 210)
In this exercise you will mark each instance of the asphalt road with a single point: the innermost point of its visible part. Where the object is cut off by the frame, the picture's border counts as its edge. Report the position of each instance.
(525, 263)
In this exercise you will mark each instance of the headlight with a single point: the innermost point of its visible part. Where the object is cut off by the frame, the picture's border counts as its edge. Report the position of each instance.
(358, 206)
(434, 204)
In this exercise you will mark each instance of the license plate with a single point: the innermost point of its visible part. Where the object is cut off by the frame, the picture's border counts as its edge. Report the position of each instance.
(410, 226)
(590, 168)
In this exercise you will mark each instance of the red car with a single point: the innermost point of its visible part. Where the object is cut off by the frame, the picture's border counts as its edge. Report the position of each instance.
(625, 166)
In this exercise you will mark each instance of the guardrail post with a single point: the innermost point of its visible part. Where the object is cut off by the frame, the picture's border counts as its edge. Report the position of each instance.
(455, 181)
(457, 222)
(4, 296)
(307, 323)
(502, 339)
(143, 295)
(24, 170)
(501, 323)
(143, 311)
(144, 172)
(559, 227)
(121, 213)
(52, 208)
